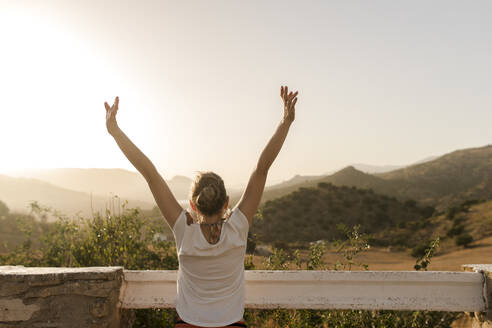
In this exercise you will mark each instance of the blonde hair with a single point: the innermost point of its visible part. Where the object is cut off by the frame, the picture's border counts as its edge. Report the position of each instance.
(208, 193)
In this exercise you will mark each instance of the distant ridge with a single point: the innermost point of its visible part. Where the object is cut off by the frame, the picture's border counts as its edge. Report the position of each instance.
(444, 181)
(17, 193)
(371, 169)
(374, 169)
(448, 180)
(106, 182)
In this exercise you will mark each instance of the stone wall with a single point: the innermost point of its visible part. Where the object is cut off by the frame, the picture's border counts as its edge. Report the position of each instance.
(60, 297)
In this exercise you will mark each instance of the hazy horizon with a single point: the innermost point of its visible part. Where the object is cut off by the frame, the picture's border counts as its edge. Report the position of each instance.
(380, 83)
(387, 167)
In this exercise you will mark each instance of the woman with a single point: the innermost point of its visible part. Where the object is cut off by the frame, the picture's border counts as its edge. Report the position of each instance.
(211, 249)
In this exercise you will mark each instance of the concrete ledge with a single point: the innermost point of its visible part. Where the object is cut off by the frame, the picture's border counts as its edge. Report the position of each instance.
(393, 290)
(482, 319)
(95, 297)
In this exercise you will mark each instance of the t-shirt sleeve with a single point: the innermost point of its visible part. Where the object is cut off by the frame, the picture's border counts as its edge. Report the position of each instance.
(179, 228)
(240, 222)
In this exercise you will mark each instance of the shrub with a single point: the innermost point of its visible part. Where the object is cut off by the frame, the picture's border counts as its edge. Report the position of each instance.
(252, 241)
(452, 211)
(127, 240)
(420, 249)
(455, 230)
(428, 211)
(4, 210)
(411, 203)
(105, 240)
(424, 260)
(464, 240)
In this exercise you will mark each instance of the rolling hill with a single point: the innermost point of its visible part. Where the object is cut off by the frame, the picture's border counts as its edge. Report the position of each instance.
(106, 182)
(17, 193)
(442, 182)
(348, 176)
(310, 214)
(448, 180)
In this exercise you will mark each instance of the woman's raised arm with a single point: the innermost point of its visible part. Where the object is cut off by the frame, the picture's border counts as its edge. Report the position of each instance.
(248, 204)
(163, 196)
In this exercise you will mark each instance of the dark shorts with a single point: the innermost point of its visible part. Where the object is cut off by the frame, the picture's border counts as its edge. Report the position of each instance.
(181, 324)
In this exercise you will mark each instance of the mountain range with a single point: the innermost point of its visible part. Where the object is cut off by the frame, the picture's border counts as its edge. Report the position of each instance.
(17, 193)
(441, 182)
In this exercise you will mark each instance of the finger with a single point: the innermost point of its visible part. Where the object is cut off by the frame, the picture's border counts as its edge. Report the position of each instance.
(292, 102)
(282, 91)
(106, 105)
(286, 91)
(289, 98)
(295, 94)
(116, 102)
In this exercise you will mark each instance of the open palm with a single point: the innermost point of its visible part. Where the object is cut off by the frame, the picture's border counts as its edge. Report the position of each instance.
(111, 123)
(290, 99)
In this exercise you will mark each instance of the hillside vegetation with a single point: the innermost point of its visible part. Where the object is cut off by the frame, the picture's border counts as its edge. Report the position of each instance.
(443, 182)
(471, 220)
(310, 214)
(449, 180)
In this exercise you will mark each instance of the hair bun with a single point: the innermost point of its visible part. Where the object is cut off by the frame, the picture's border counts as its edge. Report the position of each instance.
(207, 195)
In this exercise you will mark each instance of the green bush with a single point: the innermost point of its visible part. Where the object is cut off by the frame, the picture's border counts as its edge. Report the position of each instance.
(420, 249)
(105, 240)
(464, 240)
(128, 240)
(4, 210)
(455, 230)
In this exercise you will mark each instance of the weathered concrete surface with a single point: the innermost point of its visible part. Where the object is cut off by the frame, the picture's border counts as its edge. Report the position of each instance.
(482, 319)
(367, 290)
(60, 297)
(16, 310)
(94, 297)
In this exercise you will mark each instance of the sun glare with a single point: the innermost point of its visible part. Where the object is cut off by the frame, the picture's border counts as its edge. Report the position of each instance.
(53, 84)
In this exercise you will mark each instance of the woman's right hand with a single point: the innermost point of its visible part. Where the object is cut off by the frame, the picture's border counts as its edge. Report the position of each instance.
(290, 100)
(111, 124)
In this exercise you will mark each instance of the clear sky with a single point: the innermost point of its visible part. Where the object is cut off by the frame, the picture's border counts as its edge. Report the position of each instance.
(380, 82)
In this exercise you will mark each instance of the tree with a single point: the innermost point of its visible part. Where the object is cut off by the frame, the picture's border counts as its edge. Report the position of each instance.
(4, 210)
(464, 240)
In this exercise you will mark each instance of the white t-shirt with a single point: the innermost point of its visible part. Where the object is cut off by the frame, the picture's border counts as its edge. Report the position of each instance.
(211, 276)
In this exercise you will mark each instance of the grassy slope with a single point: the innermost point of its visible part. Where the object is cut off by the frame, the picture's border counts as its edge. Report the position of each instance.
(477, 220)
(442, 182)
(450, 179)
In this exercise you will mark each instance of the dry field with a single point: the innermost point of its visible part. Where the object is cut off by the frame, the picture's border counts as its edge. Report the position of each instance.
(380, 259)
